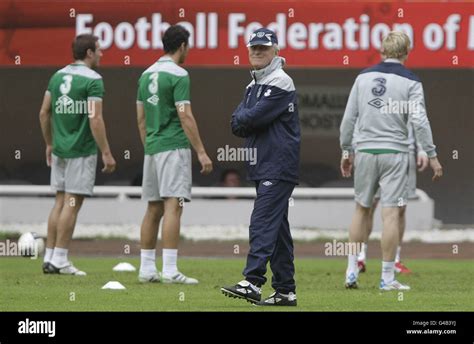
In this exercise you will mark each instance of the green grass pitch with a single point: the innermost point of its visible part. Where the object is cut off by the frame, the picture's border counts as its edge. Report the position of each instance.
(437, 285)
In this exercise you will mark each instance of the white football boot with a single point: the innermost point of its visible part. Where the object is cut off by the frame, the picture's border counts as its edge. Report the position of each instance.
(65, 270)
(154, 277)
(394, 285)
(178, 278)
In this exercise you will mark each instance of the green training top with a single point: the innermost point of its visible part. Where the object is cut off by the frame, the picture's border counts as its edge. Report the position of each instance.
(161, 88)
(72, 90)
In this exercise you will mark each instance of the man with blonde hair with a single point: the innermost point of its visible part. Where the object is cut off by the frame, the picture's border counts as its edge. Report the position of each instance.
(384, 102)
(395, 45)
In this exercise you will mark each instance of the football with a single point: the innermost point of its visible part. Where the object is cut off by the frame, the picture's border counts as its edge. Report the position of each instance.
(30, 244)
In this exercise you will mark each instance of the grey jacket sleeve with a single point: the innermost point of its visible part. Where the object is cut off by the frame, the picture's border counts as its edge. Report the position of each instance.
(415, 145)
(419, 148)
(419, 119)
(349, 120)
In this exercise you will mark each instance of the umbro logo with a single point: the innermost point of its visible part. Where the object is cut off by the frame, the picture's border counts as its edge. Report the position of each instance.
(267, 93)
(267, 183)
(153, 99)
(64, 100)
(377, 103)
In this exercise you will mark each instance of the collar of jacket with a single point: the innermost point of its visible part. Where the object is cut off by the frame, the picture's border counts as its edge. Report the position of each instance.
(392, 60)
(277, 63)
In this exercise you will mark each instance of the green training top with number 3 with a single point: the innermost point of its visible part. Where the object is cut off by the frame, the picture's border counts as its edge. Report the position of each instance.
(72, 89)
(162, 87)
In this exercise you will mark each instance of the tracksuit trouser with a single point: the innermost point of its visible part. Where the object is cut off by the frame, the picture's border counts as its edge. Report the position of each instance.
(270, 237)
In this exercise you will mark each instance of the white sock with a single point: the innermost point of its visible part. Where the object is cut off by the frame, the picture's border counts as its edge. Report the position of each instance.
(147, 261)
(59, 258)
(48, 255)
(388, 271)
(352, 265)
(363, 253)
(397, 257)
(170, 259)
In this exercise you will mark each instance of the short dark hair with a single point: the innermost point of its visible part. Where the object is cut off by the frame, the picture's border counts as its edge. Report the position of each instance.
(81, 44)
(174, 37)
(228, 171)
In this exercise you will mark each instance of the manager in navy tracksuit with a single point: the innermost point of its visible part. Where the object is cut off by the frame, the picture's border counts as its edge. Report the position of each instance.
(268, 119)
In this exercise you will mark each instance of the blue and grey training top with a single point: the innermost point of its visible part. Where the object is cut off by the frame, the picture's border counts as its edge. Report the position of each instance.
(268, 118)
(384, 101)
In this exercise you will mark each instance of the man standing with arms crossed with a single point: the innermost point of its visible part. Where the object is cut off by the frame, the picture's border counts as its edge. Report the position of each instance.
(73, 126)
(167, 127)
(268, 119)
(382, 145)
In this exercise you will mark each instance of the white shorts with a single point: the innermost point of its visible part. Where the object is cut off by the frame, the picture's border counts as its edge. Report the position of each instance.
(74, 175)
(387, 171)
(411, 177)
(167, 174)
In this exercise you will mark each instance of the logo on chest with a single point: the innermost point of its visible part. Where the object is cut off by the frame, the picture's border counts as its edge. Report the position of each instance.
(266, 94)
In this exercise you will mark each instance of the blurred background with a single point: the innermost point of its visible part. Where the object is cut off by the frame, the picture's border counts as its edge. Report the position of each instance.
(35, 42)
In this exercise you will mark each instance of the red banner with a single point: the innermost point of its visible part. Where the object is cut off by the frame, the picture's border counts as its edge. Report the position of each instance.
(315, 34)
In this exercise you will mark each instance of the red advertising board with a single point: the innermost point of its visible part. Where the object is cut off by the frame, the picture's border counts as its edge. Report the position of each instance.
(314, 34)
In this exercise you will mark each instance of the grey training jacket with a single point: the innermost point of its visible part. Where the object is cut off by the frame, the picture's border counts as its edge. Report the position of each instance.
(383, 102)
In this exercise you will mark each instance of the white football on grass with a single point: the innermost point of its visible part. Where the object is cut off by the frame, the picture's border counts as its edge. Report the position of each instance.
(30, 244)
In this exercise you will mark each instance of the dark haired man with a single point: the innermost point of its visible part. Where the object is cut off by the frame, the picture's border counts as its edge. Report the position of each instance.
(230, 178)
(73, 126)
(167, 129)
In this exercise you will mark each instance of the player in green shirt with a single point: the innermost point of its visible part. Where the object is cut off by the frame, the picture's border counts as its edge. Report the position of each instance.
(73, 126)
(167, 130)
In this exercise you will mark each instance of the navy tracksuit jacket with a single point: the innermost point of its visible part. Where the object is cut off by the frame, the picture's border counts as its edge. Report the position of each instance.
(268, 119)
